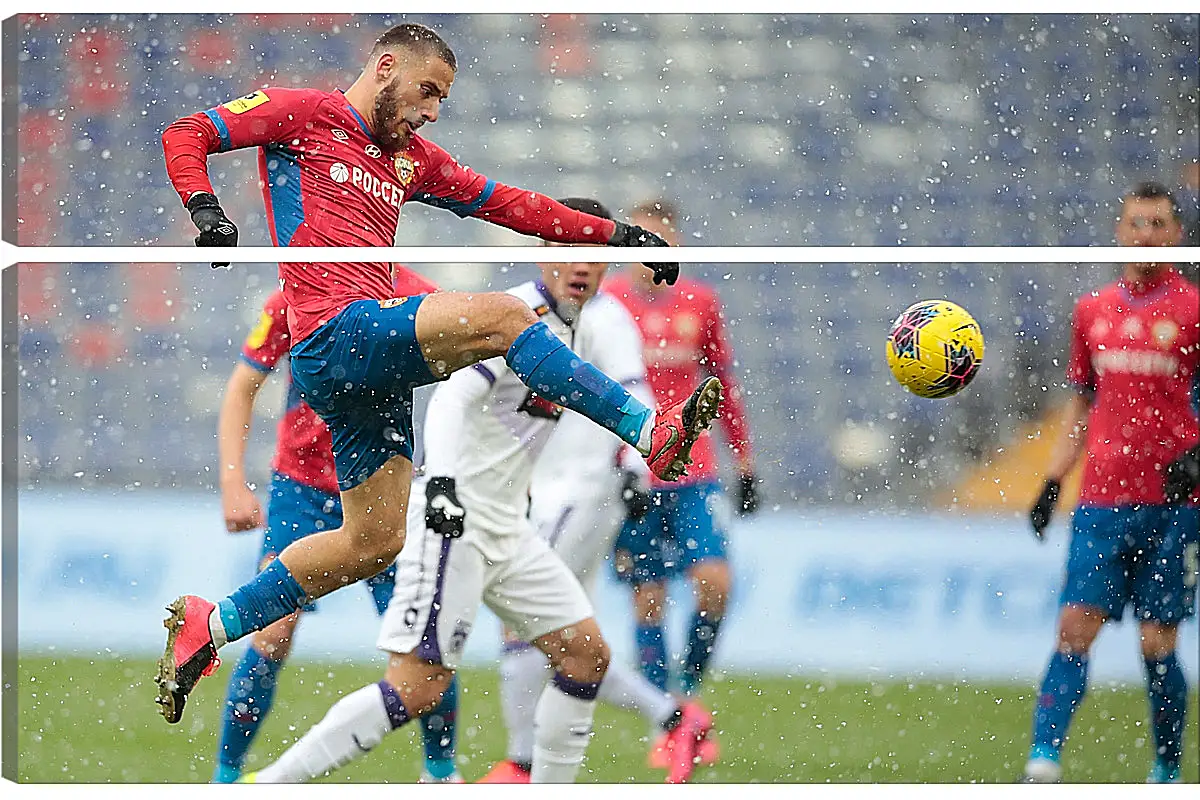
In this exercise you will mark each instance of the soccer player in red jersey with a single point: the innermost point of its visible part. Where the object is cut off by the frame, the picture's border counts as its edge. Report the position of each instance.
(303, 500)
(684, 333)
(336, 168)
(1134, 361)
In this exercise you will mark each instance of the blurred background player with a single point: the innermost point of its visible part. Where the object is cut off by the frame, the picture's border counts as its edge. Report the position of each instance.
(685, 529)
(304, 500)
(473, 544)
(1135, 353)
(584, 484)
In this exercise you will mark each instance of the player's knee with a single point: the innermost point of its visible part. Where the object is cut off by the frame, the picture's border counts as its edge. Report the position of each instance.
(507, 318)
(588, 663)
(419, 683)
(275, 641)
(379, 538)
(1158, 641)
(712, 582)
(1078, 627)
(649, 599)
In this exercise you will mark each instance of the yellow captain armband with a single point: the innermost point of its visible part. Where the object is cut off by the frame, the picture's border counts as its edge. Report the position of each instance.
(244, 104)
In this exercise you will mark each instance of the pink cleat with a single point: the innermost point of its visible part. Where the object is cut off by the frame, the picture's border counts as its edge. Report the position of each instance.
(189, 656)
(683, 747)
(506, 772)
(677, 428)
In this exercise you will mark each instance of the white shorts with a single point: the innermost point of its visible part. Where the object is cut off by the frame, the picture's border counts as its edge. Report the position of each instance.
(580, 525)
(441, 582)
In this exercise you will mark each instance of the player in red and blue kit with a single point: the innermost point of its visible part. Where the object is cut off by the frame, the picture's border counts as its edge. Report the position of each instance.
(336, 169)
(685, 529)
(1134, 361)
(303, 500)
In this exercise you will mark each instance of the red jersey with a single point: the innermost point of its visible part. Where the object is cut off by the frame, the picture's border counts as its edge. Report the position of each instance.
(303, 445)
(683, 331)
(327, 182)
(1138, 352)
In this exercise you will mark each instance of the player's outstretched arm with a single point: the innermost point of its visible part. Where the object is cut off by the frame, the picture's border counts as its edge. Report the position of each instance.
(448, 184)
(265, 116)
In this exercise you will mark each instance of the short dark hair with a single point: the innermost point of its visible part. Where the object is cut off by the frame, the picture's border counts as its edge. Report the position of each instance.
(414, 36)
(1153, 190)
(587, 206)
(660, 209)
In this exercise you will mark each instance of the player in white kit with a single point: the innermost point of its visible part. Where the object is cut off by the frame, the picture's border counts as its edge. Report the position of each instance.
(584, 485)
(471, 542)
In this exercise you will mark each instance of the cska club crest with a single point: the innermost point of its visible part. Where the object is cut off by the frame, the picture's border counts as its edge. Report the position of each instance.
(406, 169)
(1165, 333)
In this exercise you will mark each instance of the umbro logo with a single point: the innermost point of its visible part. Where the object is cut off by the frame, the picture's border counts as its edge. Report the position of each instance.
(340, 135)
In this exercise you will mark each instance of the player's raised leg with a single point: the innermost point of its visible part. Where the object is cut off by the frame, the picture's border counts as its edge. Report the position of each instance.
(456, 330)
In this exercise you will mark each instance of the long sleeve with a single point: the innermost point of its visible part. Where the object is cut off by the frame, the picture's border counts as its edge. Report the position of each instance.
(444, 420)
(263, 117)
(457, 188)
(733, 410)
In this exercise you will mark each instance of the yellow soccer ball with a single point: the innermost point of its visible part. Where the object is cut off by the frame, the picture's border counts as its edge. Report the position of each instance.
(935, 348)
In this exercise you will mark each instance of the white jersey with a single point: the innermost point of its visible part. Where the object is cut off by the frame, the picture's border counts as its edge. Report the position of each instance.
(500, 427)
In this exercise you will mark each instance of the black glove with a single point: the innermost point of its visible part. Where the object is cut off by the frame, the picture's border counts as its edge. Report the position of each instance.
(215, 228)
(635, 495)
(1043, 509)
(748, 496)
(443, 513)
(626, 235)
(1182, 477)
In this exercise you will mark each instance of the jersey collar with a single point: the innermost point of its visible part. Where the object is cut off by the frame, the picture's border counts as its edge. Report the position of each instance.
(362, 123)
(1147, 291)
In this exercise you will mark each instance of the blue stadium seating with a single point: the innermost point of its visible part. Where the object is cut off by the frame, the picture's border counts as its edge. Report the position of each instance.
(1022, 130)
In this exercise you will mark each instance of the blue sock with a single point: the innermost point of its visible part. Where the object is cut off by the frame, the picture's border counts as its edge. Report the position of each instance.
(1062, 691)
(1167, 688)
(382, 586)
(438, 731)
(555, 372)
(701, 643)
(652, 651)
(270, 596)
(248, 700)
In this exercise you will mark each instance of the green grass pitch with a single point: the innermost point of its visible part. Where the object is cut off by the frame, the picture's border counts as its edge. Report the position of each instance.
(95, 721)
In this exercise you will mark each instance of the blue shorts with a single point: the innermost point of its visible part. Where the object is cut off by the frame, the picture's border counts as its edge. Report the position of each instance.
(358, 372)
(1145, 555)
(684, 526)
(295, 511)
